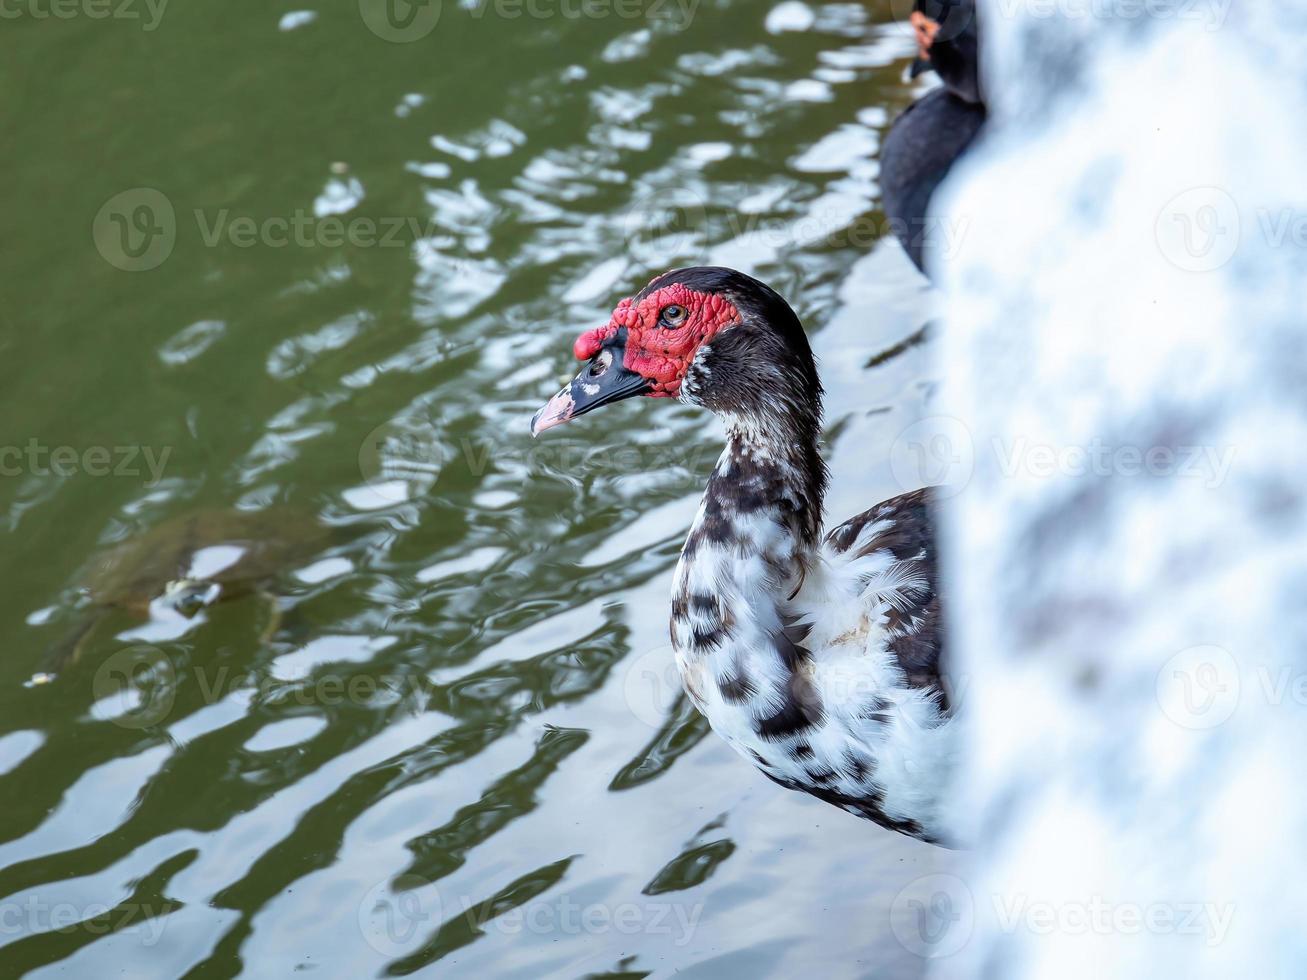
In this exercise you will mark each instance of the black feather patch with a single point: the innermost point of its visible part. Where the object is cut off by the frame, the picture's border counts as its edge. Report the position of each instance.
(916, 627)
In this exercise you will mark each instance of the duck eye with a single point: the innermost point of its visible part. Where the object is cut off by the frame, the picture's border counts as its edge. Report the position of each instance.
(600, 364)
(672, 316)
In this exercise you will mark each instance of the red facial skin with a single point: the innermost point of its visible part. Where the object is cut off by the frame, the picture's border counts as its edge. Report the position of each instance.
(925, 30)
(660, 354)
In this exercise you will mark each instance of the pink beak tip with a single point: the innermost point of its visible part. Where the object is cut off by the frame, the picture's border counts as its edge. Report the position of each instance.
(556, 412)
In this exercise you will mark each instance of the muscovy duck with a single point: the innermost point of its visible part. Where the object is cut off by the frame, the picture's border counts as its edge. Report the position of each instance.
(818, 658)
(948, 43)
(932, 133)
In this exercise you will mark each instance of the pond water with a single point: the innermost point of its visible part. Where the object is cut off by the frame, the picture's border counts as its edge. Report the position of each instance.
(329, 262)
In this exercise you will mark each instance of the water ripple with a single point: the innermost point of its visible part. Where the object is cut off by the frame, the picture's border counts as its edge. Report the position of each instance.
(444, 745)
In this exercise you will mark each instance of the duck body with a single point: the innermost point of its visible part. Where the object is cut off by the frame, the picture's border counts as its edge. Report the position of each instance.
(820, 666)
(817, 658)
(933, 133)
(920, 149)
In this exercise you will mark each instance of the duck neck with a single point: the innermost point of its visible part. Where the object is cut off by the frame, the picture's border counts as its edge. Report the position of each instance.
(756, 534)
(772, 469)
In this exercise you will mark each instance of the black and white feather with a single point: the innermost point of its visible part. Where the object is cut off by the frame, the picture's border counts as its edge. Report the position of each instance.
(817, 658)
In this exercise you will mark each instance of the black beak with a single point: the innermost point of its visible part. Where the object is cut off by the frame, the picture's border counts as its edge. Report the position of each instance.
(919, 67)
(602, 381)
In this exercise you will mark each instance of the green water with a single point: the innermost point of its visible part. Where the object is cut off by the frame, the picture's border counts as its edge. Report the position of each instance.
(461, 751)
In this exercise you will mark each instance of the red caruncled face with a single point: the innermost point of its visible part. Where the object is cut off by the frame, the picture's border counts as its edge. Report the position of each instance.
(664, 331)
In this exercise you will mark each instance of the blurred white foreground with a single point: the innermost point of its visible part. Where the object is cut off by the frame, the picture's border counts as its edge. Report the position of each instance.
(1126, 358)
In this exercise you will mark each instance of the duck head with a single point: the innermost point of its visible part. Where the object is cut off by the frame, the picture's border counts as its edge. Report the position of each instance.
(948, 42)
(708, 336)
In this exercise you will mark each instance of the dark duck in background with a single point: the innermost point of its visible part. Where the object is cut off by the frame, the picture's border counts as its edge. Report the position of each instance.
(932, 133)
(818, 658)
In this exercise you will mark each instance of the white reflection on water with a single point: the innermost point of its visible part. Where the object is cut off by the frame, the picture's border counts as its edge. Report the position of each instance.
(525, 587)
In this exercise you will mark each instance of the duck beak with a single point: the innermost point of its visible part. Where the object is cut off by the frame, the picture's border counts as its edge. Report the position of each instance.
(602, 381)
(924, 30)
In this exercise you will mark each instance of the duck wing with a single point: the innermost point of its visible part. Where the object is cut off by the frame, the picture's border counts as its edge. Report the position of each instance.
(902, 532)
